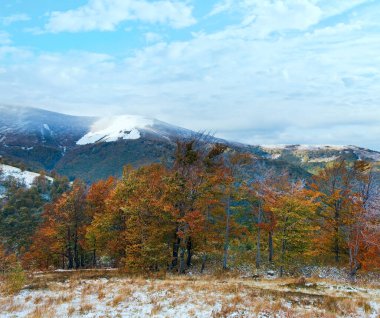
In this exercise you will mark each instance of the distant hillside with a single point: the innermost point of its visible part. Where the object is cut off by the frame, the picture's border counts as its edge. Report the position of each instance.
(313, 157)
(23, 176)
(92, 148)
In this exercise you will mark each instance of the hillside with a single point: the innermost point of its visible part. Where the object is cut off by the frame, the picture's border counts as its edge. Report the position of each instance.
(93, 148)
(314, 157)
(22, 176)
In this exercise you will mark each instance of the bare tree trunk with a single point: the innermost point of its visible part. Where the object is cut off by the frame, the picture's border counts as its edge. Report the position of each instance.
(76, 252)
(227, 234)
(283, 250)
(81, 258)
(189, 247)
(270, 243)
(175, 250)
(182, 249)
(353, 252)
(282, 257)
(182, 268)
(258, 239)
(63, 258)
(336, 239)
(94, 257)
(69, 250)
(204, 259)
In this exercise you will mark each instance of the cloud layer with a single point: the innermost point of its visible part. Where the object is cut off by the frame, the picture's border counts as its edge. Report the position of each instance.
(296, 71)
(106, 15)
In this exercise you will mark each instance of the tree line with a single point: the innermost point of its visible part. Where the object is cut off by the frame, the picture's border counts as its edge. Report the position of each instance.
(207, 209)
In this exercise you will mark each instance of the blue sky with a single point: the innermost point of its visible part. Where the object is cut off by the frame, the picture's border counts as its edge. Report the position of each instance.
(256, 71)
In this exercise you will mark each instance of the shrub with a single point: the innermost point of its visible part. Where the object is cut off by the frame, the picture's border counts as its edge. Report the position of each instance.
(12, 276)
(14, 279)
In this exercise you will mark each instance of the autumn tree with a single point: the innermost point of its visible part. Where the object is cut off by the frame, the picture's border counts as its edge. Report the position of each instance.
(194, 159)
(148, 219)
(71, 208)
(294, 211)
(363, 219)
(233, 182)
(63, 229)
(348, 213)
(334, 185)
(48, 244)
(96, 211)
(20, 215)
(263, 192)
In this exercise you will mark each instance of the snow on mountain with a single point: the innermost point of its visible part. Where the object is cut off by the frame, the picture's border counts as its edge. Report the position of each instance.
(25, 126)
(306, 147)
(115, 128)
(131, 127)
(27, 177)
(320, 153)
(324, 159)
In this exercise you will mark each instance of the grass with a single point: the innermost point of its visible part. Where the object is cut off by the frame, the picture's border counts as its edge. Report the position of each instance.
(115, 294)
(13, 281)
(85, 308)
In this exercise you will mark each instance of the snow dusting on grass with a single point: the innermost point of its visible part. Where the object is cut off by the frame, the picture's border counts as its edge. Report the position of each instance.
(115, 295)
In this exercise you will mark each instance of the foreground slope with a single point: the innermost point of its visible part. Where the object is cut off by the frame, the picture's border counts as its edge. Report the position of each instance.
(88, 294)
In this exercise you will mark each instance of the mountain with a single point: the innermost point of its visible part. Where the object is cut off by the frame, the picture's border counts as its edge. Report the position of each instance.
(38, 138)
(91, 148)
(86, 147)
(313, 157)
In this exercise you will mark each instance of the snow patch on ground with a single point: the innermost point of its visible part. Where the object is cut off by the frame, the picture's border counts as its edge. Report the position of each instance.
(306, 147)
(279, 146)
(375, 156)
(115, 128)
(324, 159)
(184, 297)
(323, 147)
(27, 177)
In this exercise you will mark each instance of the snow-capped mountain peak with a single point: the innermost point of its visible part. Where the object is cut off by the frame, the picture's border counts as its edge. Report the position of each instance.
(114, 128)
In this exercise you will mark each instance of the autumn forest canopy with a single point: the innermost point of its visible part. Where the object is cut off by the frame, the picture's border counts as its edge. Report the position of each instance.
(210, 209)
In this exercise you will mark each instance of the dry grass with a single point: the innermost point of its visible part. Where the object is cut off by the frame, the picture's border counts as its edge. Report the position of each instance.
(43, 312)
(85, 308)
(101, 294)
(65, 298)
(119, 295)
(118, 299)
(70, 311)
(38, 300)
(156, 309)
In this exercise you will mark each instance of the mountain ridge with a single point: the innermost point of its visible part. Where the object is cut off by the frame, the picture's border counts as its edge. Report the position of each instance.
(97, 147)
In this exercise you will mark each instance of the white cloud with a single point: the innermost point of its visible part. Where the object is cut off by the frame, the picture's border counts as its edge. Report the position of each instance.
(273, 16)
(106, 15)
(278, 16)
(319, 83)
(222, 6)
(5, 38)
(14, 18)
(152, 37)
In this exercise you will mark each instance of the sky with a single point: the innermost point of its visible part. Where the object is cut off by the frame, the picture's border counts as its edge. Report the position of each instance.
(254, 71)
